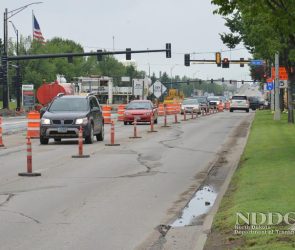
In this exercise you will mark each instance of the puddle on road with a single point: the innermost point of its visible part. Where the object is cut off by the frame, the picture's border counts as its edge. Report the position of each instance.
(199, 205)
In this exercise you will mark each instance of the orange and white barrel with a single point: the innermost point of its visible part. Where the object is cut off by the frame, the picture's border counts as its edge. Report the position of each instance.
(161, 110)
(120, 112)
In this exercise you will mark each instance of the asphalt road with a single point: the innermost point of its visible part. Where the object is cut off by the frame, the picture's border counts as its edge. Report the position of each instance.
(113, 200)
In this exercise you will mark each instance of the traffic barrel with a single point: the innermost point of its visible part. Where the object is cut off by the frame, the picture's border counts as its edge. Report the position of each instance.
(106, 113)
(80, 146)
(165, 117)
(152, 125)
(134, 130)
(161, 110)
(112, 136)
(1, 140)
(33, 129)
(120, 112)
(29, 172)
(220, 107)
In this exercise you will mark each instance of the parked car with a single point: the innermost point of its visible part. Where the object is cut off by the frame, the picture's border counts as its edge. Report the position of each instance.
(66, 113)
(254, 102)
(203, 101)
(214, 100)
(190, 105)
(141, 111)
(239, 102)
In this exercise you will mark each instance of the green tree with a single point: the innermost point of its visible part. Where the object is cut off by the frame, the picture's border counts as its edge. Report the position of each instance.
(265, 27)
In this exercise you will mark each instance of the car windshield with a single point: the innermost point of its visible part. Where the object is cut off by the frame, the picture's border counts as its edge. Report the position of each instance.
(139, 105)
(213, 98)
(201, 99)
(190, 101)
(69, 104)
(239, 98)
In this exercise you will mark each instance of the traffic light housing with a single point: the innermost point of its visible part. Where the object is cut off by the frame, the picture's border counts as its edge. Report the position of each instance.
(187, 60)
(218, 59)
(242, 81)
(211, 80)
(70, 59)
(241, 62)
(230, 81)
(128, 54)
(168, 50)
(225, 63)
(187, 82)
(99, 56)
(222, 79)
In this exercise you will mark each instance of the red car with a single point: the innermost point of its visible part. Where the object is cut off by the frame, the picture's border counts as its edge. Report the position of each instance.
(141, 111)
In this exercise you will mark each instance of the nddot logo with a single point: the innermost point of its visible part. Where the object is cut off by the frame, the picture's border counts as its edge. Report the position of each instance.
(269, 219)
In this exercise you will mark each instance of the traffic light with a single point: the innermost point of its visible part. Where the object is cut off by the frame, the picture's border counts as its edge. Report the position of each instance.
(222, 79)
(99, 56)
(187, 83)
(242, 81)
(225, 63)
(218, 59)
(230, 81)
(187, 60)
(241, 62)
(211, 80)
(168, 50)
(128, 54)
(200, 81)
(70, 59)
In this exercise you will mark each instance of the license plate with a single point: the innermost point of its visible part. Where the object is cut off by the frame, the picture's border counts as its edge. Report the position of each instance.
(62, 130)
(137, 118)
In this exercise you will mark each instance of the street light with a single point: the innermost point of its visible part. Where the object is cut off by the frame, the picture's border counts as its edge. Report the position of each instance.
(4, 61)
(17, 78)
(171, 74)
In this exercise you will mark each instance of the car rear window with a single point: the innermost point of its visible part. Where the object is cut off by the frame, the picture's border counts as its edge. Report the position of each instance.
(139, 105)
(239, 98)
(69, 104)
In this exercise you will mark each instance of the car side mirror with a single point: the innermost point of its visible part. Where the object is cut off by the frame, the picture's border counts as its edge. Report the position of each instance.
(95, 109)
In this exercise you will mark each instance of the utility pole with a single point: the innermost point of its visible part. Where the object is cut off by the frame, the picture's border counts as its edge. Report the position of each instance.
(277, 115)
(4, 63)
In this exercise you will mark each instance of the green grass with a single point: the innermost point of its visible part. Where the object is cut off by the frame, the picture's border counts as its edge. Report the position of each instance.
(264, 182)
(12, 105)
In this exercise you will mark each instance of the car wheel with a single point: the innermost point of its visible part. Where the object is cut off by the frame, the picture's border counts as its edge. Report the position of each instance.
(231, 110)
(247, 110)
(57, 139)
(125, 123)
(100, 136)
(89, 139)
(156, 121)
(43, 141)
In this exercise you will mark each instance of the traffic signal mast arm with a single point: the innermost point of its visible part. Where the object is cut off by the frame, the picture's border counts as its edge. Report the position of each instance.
(213, 61)
(98, 53)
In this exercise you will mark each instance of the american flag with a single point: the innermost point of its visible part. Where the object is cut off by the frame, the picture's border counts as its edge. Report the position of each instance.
(37, 34)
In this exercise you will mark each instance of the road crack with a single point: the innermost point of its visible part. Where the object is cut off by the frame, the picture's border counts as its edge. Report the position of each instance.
(22, 215)
(9, 197)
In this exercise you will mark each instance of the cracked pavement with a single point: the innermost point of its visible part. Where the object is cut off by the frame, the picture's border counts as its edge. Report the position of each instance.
(117, 198)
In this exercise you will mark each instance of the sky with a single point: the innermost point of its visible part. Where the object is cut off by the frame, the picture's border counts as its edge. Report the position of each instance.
(189, 25)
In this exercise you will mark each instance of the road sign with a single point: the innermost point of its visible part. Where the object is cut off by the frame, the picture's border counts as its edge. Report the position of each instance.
(283, 75)
(269, 85)
(283, 84)
(256, 62)
(28, 95)
(157, 89)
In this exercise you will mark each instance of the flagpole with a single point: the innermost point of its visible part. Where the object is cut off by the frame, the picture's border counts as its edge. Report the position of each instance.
(32, 25)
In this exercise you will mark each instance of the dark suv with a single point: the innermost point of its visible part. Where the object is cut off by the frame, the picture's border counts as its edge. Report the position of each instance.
(66, 113)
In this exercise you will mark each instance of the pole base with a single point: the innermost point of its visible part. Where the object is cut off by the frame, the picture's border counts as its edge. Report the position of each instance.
(2, 146)
(29, 174)
(134, 137)
(114, 144)
(176, 122)
(152, 131)
(185, 120)
(165, 126)
(80, 156)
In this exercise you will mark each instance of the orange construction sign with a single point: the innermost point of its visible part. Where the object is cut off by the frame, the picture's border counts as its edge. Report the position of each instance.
(283, 75)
